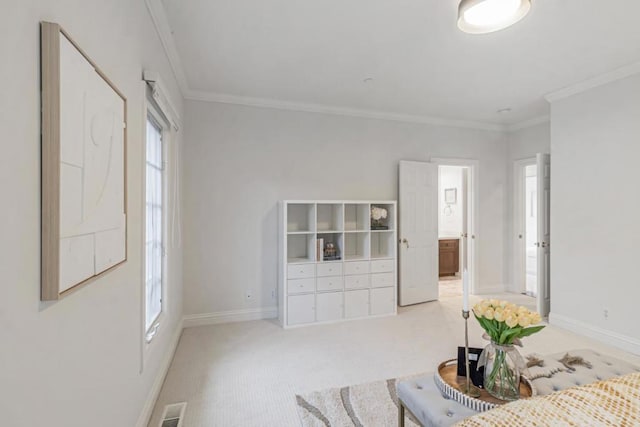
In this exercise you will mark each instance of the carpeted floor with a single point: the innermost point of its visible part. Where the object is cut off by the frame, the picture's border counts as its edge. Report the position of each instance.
(248, 374)
(450, 287)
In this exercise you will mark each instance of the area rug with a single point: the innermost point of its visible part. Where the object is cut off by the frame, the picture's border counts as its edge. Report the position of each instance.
(366, 405)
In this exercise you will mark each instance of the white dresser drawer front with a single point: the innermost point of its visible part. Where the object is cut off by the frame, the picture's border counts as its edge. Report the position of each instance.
(356, 304)
(329, 283)
(301, 309)
(383, 266)
(357, 281)
(382, 280)
(330, 269)
(301, 286)
(329, 306)
(301, 271)
(356, 267)
(383, 301)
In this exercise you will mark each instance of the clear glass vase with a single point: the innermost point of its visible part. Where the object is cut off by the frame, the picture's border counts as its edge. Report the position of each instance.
(502, 371)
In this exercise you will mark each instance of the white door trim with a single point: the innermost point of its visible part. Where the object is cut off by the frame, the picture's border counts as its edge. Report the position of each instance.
(474, 208)
(518, 249)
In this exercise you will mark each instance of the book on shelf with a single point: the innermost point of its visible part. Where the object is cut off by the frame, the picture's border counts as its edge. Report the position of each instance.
(320, 249)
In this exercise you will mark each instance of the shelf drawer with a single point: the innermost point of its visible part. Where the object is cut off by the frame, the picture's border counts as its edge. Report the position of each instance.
(330, 269)
(383, 266)
(382, 280)
(357, 281)
(300, 286)
(301, 309)
(383, 301)
(329, 283)
(357, 267)
(329, 306)
(356, 304)
(301, 271)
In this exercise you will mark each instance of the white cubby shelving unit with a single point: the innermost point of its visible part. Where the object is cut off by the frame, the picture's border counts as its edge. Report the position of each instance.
(361, 283)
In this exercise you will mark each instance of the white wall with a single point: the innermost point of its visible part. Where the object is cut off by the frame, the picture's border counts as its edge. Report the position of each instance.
(75, 362)
(522, 144)
(595, 155)
(450, 225)
(242, 160)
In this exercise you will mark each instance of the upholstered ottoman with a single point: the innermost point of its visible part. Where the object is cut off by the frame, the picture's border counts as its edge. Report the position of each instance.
(422, 398)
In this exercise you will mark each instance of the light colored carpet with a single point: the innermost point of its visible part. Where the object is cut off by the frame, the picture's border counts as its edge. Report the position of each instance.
(248, 374)
(450, 287)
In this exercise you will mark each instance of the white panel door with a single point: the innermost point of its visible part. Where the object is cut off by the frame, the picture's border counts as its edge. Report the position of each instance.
(418, 245)
(383, 301)
(356, 304)
(464, 206)
(329, 306)
(544, 211)
(301, 309)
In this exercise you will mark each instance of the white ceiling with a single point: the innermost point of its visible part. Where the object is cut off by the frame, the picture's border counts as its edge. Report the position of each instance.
(320, 52)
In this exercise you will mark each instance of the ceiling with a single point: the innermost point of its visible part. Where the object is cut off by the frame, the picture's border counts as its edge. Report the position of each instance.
(402, 57)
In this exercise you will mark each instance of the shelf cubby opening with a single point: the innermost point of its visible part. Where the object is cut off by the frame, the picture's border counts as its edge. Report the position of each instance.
(330, 217)
(356, 246)
(383, 244)
(322, 253)
(356, 216)
(301, 217)
(301, 248)
(387, 223)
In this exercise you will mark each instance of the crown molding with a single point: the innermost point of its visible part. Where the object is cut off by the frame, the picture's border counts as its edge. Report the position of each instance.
(612, 76)
(161, 22)
(341, 111)
(528, 123)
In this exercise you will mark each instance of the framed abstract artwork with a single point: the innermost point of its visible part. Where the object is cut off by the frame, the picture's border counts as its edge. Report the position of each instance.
(84, 197)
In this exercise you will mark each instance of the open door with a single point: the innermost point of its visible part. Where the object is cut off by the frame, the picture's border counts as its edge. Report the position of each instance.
(464, 235)
(418, 232)
(544, 197)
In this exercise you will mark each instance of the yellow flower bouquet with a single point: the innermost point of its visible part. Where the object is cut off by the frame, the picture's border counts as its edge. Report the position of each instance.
(505, 323)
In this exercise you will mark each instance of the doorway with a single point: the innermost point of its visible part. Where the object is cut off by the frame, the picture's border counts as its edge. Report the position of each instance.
(531, 229)
(453, 228)
(531, 223)
(420, 205)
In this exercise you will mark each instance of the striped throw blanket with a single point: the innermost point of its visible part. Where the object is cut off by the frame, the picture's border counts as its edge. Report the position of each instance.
(614, 402)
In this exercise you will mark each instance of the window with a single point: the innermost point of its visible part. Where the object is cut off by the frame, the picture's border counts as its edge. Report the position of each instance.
(154, 231)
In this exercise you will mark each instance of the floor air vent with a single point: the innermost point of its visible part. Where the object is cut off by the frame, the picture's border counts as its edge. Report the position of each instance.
(173, 415)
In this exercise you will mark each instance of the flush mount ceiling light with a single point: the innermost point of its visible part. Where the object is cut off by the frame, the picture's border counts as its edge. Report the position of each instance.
(487, 16)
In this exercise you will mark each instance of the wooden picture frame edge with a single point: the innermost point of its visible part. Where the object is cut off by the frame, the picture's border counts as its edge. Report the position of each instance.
(50, 162)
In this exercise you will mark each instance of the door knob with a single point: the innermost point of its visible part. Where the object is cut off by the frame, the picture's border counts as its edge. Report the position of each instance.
(519, 236)
(544, 244)
(537, 244)
(406, 242)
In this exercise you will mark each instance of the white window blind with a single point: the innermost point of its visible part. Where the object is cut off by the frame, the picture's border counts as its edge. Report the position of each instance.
(154, 233)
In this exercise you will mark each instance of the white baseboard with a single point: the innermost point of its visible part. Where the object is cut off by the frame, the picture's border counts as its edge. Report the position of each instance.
(615, 339)
(230, 316)
(147, 409)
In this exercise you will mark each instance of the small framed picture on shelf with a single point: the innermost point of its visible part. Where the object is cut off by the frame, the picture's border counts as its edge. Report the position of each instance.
(379, 218)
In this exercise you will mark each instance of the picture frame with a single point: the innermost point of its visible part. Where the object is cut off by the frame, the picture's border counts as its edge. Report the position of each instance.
(84, 145)
(451, 196)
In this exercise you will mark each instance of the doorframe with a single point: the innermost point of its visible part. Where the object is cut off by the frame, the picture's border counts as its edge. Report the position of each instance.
(519, 251)
(473, 212)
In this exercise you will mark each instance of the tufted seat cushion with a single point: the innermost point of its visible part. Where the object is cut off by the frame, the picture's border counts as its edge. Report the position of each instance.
(603, 367)
(425, 401)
